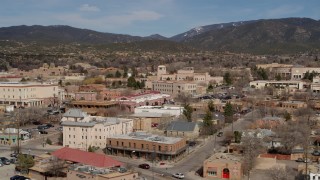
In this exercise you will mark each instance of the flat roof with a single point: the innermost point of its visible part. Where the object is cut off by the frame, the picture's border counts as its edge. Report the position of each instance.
(100, 103)
(141, 135)
(22, 84)
(224, 157)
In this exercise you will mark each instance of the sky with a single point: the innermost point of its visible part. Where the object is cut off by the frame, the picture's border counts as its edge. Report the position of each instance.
(146, 17)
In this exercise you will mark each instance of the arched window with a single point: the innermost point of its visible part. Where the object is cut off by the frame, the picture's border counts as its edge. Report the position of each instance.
(226, 173)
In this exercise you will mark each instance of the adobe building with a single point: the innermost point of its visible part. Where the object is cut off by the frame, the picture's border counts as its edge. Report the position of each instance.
(223, 166)
(28, 94)
(143, 145)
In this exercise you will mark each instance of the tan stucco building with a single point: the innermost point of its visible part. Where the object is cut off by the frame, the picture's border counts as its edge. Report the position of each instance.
(81, 130)
(223, 166)
(143, 145)
(27, 94)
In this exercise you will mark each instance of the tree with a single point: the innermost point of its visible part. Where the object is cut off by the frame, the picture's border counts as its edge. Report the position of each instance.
(281, 173)
(131, 82)
(228, 112)
(252, 147)
(237, 136)
(118, 74)
(187, 112)
(210, 87)
(278, 77)
(287, 116)
(109, 76)
(125, 72)
(90, 149)
(227, 78)
(262, 74)
(55, 167)
(25, 162)
(207, 120)
(211, 106)
(23, 79)
(60, 139)
(134, 72)
(183, 98)
(48, 141)
(292, 134)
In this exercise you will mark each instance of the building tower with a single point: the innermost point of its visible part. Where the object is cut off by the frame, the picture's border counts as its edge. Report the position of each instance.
(161, 70)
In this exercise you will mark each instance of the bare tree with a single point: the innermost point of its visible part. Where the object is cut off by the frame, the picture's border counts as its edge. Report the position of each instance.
(252, 147)
(292, 134)
(55, 167)
(183, 98)
(281, 173)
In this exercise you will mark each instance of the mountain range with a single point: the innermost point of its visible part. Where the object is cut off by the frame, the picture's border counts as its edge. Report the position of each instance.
(256, 36)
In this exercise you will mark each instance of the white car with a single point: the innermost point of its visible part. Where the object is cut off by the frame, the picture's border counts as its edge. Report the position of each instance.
(178, 175)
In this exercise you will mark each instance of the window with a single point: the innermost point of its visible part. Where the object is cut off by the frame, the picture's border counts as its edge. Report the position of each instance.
(117, 143)
(109, 142)
(121, 143)
(129, 144)
(99, 137)
(141, 146)
(212, 171)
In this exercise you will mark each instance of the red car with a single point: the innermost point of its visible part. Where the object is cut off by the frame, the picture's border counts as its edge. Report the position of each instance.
(144, 166)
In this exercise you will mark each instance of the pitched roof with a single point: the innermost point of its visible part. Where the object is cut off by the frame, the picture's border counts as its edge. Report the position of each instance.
(88, 158)
(181, 126)
(76, 113)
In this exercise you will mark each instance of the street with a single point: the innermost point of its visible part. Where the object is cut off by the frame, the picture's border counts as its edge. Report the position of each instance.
(194, 161)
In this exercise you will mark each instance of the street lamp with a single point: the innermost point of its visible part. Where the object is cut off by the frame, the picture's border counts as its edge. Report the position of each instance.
(132, 153)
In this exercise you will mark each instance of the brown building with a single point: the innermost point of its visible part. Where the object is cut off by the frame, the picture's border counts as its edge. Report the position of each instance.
(148, 146)
(71, 164)
(293, 104)
(145, 121)
(223, 166)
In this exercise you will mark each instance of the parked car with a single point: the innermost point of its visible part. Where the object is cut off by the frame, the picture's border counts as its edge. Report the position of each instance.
(43, 132)
(144, 166)
(59, 129)
(42, 127)
(49, 125)
(192, 143)
(14, 154)
(5, 160)
(36, 123)
(220, 134)
(303, 160)
(13, 160)
(316, 153)
(18, 177)
(178, 175)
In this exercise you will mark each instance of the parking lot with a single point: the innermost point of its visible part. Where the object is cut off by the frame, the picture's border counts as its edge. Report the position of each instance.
(6, 171)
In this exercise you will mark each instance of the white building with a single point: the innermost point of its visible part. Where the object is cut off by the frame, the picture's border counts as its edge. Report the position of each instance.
(261, 84)
(81, 130)
(172, 110)
(27, 94)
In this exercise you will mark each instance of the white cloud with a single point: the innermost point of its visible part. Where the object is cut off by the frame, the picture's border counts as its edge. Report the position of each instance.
(134, 16)
(286, 10)
(89, 8)
(107, 22)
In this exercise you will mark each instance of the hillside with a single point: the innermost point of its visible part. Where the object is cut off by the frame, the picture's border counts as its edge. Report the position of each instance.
(262, 36)
(288, 35)
(61, 34)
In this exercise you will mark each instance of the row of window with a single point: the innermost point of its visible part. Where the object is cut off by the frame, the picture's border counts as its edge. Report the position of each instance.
(32, 96)
(27, 89)
(144, 146)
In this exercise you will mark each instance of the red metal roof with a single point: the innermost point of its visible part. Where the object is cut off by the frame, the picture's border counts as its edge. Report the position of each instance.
(88, 158)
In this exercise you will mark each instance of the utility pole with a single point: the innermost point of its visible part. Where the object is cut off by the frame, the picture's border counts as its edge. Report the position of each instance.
(18, 126)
